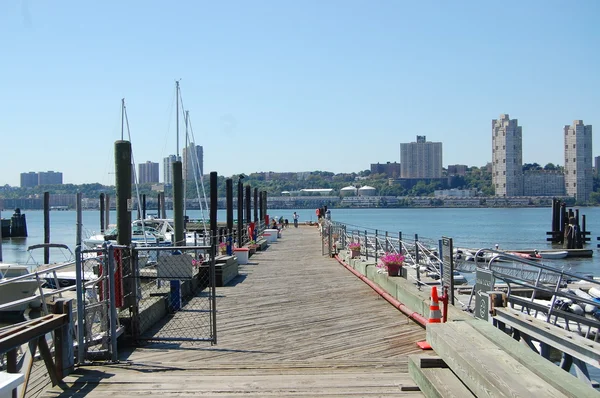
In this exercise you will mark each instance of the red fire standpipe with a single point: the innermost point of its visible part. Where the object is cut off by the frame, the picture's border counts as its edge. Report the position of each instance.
(445, 302)
(420, 319)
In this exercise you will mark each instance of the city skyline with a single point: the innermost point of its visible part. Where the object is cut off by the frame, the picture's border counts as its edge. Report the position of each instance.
(294, 80)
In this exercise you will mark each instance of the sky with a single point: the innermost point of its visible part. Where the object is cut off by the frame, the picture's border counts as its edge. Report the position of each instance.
(289, 85)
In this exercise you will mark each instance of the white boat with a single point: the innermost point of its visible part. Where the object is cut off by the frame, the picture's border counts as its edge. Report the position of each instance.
(459, 279)
(588, 308)
(138, 236)
(16, 290)
(554, 254)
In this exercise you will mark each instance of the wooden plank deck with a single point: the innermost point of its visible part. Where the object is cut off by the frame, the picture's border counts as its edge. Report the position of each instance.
(294, 323)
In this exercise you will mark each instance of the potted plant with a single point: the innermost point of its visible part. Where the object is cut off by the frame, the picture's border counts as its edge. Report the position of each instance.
(252, 247)
(354, 248)
(392, 262)
(223, 248)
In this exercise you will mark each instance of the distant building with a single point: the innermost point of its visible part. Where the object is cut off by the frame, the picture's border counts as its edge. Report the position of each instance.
(578, 160)
(168, 168)
(596, 165)
(148, 172)
(455, 193)
(348, 191)
(193, 159)
(50, 178)
(367, 191)
(507, 156)
(421, 159)
(391, 170)
(543, 183)
(457, 170)
(29, 180)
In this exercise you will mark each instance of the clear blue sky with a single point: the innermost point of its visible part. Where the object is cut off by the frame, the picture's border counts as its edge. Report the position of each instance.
(289, 85)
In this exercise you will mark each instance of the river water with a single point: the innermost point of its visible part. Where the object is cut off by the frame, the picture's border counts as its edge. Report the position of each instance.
(510, 228)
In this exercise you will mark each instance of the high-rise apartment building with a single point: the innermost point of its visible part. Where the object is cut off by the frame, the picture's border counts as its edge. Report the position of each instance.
(29, 180)
(50, 178)
(33, 179)
(578, 160)
(507, 156)
(193, 157)
(168, 168)
(148, 172)
(421, 159)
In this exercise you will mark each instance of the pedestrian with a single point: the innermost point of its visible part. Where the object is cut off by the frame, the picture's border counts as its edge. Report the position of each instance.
(296, 216)
(287, 224)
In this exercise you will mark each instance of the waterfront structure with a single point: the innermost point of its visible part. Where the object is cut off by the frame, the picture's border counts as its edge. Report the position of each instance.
(578, 160)
(168, 168)
(596, 165)
(455, 193)
(29, 180)
(391, 170)
(193, 159)
(348, 191)
(367, 191)
(148, 172)
(507, 156)
(543, 183)
(421, 159)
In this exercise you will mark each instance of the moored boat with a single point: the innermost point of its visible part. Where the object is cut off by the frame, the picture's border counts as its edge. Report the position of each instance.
(15, 290)
(554, 254)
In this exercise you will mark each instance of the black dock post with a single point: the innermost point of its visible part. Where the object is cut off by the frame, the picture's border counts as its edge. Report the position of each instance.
(229, 211)
(240, 211)
(143, 206)
(46, 227)
(102, 213)
(248, 205)
(18, 225)
(256, 207)
(158, 215)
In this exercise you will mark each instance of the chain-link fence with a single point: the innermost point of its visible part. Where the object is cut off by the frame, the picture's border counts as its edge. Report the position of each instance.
(175, 294)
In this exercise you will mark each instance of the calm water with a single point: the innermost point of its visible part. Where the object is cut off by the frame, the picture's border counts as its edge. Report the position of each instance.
(520, 228)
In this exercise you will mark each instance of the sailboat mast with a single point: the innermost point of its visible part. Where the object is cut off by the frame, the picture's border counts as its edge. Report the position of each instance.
(177, 113)
(122, 116)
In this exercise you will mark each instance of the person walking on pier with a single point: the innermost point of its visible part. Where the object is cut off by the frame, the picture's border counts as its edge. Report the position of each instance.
(296, 216)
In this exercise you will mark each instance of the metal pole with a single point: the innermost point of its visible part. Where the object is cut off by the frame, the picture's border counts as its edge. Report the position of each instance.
(213, 250)
(376, 244)
(112, 303)
(366, 245)
(79, 221)
(417, 256)
(229, 212)
(80, 307)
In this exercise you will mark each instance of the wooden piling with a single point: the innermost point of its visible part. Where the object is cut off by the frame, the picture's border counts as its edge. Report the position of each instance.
(256, 206)
(240, 211)
(229, 210)
(143, 206)
(123, 189)
(107, 211)
(178, 203)
(248, 205)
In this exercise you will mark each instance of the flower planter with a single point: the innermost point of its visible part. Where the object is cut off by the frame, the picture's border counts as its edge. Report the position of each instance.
(354, 253)
(393, 268)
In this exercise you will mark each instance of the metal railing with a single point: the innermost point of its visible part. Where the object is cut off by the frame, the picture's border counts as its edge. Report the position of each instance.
(420, 253)
(544, 280)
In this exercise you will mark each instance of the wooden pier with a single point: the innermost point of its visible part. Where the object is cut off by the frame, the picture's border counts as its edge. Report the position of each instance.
(293, 323)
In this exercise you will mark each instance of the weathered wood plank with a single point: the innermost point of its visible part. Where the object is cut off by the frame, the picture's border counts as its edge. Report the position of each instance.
(297, 324)
(482, 366)
(438, 382)
(554, 375)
